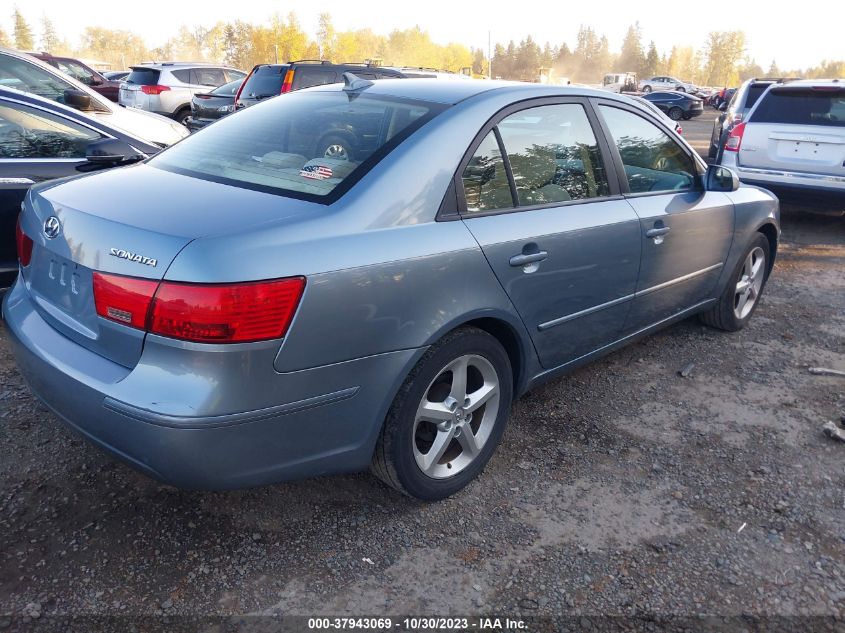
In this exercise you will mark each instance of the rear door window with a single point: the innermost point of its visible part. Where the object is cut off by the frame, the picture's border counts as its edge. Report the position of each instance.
(143, 76)
(208, 76)
(184, 75)
(653, 161)
(805, 106)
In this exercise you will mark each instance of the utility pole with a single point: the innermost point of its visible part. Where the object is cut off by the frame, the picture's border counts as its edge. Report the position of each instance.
(489, 57)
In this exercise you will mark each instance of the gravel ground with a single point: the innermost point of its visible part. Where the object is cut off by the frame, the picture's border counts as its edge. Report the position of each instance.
(622, 488)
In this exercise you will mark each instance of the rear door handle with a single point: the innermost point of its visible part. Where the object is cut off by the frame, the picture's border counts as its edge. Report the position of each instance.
(663, 230)
(528, 258)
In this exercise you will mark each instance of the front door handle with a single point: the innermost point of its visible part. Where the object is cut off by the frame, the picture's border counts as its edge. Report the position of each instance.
(528, 258)
(657, 232)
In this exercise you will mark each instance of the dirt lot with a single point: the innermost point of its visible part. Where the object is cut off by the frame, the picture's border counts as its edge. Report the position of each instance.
(622, 488)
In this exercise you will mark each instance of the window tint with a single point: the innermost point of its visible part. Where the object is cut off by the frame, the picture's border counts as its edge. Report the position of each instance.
(16, 73)
(306, 143)
(32, 133)
(77, 71)
(143, 76)
(207, 76)
(184, 75)
(754, 92)
(307, 77)
(553, 155)
(486, 185)
(802, 107)
(234, 75)
(229, 90)
(265, 81)
(653, 161)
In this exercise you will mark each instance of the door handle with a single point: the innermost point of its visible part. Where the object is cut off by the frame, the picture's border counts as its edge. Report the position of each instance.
(657, 232)
(528, 258)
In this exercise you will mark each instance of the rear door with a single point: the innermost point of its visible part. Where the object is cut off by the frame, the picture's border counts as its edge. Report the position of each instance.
(797, 128)
(536, 193)
(35, 145)
(685, 231)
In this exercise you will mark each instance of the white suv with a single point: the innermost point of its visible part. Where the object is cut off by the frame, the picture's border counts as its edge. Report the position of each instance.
(666, 83)
(793, 142)
(167, 87)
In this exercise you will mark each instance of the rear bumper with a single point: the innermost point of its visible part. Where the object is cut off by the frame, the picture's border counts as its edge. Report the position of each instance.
(326, 419)
(814, 192)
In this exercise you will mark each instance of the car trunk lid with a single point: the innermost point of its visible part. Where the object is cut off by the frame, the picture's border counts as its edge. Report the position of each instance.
(797, 129)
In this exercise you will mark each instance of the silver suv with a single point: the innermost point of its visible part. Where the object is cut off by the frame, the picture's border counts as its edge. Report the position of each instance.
(167, 87)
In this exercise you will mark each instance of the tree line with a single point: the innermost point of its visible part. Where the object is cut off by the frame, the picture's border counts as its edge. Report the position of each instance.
(721, 60)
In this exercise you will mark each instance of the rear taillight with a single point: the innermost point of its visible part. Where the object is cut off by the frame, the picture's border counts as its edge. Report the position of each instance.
(24, 244)
(241, 87)
(732, 144)
(287, 84)
(154, 90)
(124, 299)
(204, 313)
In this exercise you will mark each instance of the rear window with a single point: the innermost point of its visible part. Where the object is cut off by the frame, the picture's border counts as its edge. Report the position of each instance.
(754, 92)
(305, 145)
(265, 81)
(229, 90)
(143, 76)
(802, 107)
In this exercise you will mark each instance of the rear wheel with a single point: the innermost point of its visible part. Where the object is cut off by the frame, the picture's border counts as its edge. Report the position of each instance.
(336, 147)
(675, 113)
(647, 89)
(681, 89)
(182, 115)
(447, 418)
(741, 296)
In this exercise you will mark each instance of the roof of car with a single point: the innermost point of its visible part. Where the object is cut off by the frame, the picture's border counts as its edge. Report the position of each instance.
(816, 83)
(452, 92)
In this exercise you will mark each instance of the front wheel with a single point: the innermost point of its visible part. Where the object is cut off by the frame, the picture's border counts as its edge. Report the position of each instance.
(675, 113)
(447, 418)
(647, 89)
(741, 296)
(681, 89)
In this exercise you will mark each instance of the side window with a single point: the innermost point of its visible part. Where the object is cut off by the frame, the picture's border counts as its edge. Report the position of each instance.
(653, 161)
(486, 184)
(32, 133)
(234, 75)
(16, 73)
(77, 71)
(315, 77)
(553, 155)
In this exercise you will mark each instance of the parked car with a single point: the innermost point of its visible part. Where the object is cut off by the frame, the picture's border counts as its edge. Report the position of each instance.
(619, 82)
(672, 125)
(263, 313)
(738, 103)
(207, 107)
(167, 87)
(269, 80)
(792, 142)
(41, 140)
(83, 74)
(421, 72)
(24, 72)
(117, 75)
(664, 83)
(676, 105)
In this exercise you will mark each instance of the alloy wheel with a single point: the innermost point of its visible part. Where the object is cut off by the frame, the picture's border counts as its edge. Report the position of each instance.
(750, 283)
(456, 416)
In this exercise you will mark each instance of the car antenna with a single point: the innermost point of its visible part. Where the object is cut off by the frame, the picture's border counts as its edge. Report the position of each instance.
(354, 83)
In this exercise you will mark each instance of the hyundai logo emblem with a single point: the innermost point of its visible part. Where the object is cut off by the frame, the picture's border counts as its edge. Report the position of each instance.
(52, 227)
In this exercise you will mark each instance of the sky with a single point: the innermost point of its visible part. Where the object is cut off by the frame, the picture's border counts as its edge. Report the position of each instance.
(774, 30)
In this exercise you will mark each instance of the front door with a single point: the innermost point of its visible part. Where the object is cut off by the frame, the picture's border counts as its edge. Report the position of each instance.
(686, 232)
(562, 242)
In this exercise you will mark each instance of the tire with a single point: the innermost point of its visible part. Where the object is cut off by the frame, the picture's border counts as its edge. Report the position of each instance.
(730, 313)
(335, 146)
(681, 89)
(403, 457)
(646, 89)
(182, 115)
(675, 113)
(687, 116)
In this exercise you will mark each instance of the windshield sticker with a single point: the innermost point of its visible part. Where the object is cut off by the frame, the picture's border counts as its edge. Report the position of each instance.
(316, 172)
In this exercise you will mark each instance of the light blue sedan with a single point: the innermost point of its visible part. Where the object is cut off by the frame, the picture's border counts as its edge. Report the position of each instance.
(366, 275)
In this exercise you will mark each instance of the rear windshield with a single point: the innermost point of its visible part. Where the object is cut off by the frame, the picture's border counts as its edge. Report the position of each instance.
(230, 89)
(143, 76)
(265, 81)
(803, 107)
(311, 145)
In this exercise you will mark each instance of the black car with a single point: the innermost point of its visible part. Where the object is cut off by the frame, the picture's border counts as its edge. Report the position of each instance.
(41, 140)
(269, 80)
(676, 105)
(210, 106)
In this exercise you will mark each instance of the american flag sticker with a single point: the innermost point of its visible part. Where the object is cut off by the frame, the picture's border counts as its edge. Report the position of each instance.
(316, 172)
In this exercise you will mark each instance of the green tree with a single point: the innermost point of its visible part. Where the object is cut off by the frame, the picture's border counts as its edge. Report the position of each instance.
(50, 40)
(722, 54)
(652, 62)
(4, 38)
(326, 37)
(631, 57)
(23, 33)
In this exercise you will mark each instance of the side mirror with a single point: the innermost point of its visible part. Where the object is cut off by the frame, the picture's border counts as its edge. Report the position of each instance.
(724, 106)
(79, 100)
(720, 178)
(111, 151)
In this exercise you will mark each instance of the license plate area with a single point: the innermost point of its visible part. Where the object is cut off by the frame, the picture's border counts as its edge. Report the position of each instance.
(64, 285)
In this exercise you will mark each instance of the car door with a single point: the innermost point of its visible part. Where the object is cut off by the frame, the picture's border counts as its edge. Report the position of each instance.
(35, 145)
(686, 232)
(537, 193)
